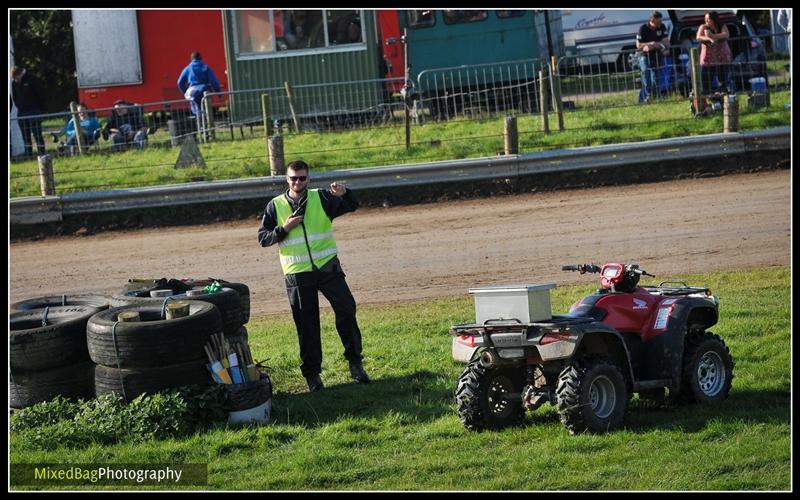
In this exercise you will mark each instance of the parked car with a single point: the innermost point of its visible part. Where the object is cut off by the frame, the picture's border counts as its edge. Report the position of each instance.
(748, 50)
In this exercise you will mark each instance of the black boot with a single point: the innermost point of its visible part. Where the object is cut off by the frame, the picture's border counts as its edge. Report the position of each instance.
(358, 373)
(315, 383)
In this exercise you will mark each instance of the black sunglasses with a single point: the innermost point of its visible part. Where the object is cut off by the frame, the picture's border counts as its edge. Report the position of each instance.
(297, 177)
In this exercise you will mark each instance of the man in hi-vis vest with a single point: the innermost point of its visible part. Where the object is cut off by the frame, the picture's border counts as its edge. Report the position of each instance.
(299, 221)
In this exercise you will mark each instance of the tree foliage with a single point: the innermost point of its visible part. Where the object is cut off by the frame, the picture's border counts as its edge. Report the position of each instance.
(43, 44)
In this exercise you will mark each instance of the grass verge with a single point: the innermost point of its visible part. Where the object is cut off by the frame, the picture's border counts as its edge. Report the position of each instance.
(612, 120)
(401, 432)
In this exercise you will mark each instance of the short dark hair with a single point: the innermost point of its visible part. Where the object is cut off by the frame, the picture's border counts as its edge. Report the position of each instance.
(655, 15)
(196, 55)
(298, 165)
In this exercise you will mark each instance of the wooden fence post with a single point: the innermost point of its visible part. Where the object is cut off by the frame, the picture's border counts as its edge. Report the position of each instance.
(555, 87)
(265, 115)
(543, 102)
(511, 139)
(76, 121)
(46, 179)
(277, 163)
(696, 84)
(730, 112)
(291, 107)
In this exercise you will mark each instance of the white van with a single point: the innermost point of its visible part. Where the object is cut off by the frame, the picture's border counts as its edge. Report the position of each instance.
(601, 36)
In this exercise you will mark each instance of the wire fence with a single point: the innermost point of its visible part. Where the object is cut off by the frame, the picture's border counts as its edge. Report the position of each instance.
(445, 113)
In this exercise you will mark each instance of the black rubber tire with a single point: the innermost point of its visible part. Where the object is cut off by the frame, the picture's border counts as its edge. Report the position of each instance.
(33, 347)
(99, 302)
(591, 396)
(242, 289)
(707, 372)
(226, 300)
(71, 381)
(244, 295)
(477, 402)
(240, 337)
(152, 341)
(131, 382)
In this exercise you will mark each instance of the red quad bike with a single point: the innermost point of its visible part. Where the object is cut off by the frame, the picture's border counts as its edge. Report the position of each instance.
(622, 339)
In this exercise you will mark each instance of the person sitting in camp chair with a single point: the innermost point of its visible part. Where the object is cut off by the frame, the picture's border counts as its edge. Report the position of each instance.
(89, 128)
(126, 126)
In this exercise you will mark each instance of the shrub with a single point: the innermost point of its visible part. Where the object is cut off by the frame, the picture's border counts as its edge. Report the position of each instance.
(107, 419)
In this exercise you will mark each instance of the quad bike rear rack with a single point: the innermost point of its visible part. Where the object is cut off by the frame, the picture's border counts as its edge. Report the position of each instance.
(684, 289)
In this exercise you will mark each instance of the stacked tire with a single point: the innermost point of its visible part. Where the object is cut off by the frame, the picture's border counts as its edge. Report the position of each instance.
(48, 353)
(154, 353)
(232, 300)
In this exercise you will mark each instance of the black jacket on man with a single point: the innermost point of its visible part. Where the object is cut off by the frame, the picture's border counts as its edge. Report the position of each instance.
(303, 288)
(270, 233)
(26, 96)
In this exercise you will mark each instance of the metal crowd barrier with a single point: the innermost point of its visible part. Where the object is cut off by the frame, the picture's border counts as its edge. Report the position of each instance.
(315, 107)
(480, 90)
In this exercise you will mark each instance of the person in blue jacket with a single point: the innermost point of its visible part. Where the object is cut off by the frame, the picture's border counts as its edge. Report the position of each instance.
(195, 79)
(90, 129)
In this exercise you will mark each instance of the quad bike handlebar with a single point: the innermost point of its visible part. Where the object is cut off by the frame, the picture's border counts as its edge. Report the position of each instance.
(641, 272)
(582, 268)
(591, 268)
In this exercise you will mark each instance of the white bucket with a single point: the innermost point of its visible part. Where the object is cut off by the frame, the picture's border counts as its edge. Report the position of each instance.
(258, 414)
(758, 84)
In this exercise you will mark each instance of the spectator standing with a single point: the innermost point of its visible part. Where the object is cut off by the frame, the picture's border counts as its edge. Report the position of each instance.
(126, 125)
(195, 79)
(715, 53)
(27, 98)
(785, 20)
(652, 42)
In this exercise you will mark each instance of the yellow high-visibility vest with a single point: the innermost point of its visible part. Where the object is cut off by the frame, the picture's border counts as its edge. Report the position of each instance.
(310, 243)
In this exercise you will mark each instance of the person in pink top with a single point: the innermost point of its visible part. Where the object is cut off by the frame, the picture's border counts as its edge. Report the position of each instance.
(715, 53)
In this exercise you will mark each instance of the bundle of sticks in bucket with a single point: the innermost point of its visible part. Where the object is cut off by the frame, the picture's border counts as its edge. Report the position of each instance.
(230, 364)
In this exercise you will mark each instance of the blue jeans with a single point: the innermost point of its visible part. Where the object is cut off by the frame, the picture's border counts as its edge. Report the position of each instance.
(715, 77)
(195, 96)
(649, 78)
(119, 139)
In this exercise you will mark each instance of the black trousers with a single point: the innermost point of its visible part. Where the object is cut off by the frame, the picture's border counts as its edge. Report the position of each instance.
(302, 289)
(32, 131)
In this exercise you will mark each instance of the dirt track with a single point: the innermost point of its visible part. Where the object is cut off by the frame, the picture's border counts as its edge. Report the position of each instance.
(423, 251)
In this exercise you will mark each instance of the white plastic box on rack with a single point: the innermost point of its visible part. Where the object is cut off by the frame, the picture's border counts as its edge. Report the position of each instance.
(527, 303)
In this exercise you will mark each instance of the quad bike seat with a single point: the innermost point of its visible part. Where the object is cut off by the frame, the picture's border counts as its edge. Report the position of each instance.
(571, 318)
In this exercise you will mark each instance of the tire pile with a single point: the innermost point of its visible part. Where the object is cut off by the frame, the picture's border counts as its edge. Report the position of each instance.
(47, 348)
(75, 346)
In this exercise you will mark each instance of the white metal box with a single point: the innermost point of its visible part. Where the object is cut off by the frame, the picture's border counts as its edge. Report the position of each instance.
(527, 303)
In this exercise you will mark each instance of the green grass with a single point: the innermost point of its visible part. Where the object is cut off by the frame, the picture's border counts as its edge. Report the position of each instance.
(402, 433)
(604, 121)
